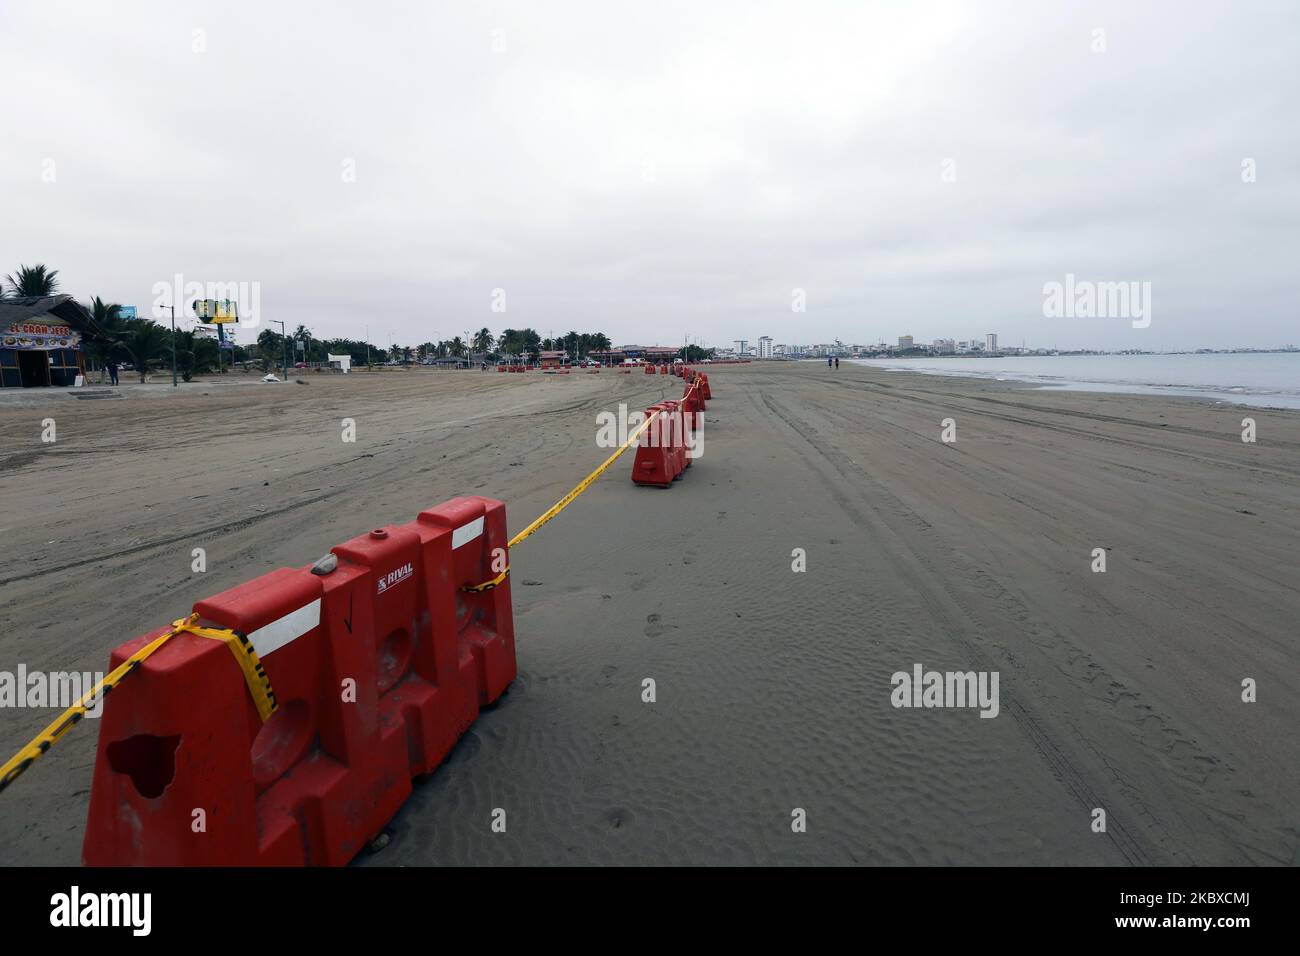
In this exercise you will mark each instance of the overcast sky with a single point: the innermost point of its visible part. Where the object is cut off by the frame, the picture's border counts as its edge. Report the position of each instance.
(657, 170)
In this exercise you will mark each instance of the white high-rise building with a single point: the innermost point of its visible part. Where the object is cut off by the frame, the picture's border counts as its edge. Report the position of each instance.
(991, 342)
(765, 346)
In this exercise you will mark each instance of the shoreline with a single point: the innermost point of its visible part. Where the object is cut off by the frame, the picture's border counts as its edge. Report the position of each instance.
(1262, 397)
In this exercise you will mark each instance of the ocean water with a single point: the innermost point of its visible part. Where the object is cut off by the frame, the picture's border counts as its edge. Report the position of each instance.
(1261, 379)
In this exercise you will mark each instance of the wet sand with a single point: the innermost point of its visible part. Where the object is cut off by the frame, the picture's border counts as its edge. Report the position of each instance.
(1119, 691)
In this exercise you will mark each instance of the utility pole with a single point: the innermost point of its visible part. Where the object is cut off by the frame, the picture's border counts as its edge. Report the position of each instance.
(173, 308)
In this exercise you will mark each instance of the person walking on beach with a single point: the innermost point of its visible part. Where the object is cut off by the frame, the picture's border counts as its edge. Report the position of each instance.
(829, 361)
(837, 361)
(112, 372)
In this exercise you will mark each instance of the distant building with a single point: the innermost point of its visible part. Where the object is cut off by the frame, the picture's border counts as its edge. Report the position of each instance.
(550, 359)
(945, 346)
(765, 346)
(991, 342)
(650, 353)
(905, 343)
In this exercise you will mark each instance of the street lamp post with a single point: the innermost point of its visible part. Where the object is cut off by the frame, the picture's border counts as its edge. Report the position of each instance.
(173, 308)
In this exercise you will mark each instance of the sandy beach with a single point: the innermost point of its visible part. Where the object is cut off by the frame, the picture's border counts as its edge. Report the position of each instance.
(1118, 690)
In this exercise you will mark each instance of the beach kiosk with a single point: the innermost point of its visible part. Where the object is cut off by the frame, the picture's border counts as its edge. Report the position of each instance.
(40, 341)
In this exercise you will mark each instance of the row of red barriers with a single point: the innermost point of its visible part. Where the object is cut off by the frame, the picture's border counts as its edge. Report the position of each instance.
(666, 447)
(379, 661)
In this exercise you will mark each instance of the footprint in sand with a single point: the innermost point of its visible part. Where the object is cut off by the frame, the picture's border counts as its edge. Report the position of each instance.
(617, 818)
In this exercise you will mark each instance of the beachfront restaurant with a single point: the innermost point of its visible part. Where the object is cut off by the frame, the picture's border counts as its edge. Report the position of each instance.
(40, 341)
(551, 359)
(654, 354)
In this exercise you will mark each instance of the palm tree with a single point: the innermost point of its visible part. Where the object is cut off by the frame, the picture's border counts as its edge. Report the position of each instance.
(194, 353)
(483, 340)
(303, 334)
(34, 280)
(145, 340)
(105, 334)
(270, 345)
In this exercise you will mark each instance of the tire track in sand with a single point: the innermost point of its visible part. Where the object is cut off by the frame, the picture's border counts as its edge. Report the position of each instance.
(944, 608)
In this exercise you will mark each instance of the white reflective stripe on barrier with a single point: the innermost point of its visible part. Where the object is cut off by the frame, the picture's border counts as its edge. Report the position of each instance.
(466, 533)
(289, 628)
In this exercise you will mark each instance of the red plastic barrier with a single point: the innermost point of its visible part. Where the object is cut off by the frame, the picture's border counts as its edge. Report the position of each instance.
(704, 387)
(663, 369)
(693, 401)
(657, 462)
(650, 369)
(691, 423)
(377, 667)
(501, 368)
(673, 433)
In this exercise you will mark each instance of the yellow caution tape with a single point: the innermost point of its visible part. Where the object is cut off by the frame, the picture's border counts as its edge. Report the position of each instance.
(583, 485)
(259, 685)
(487, 585)
(563, 503)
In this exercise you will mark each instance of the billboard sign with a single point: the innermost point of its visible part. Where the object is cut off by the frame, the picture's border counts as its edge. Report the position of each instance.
(127, 312)
(216, 311)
